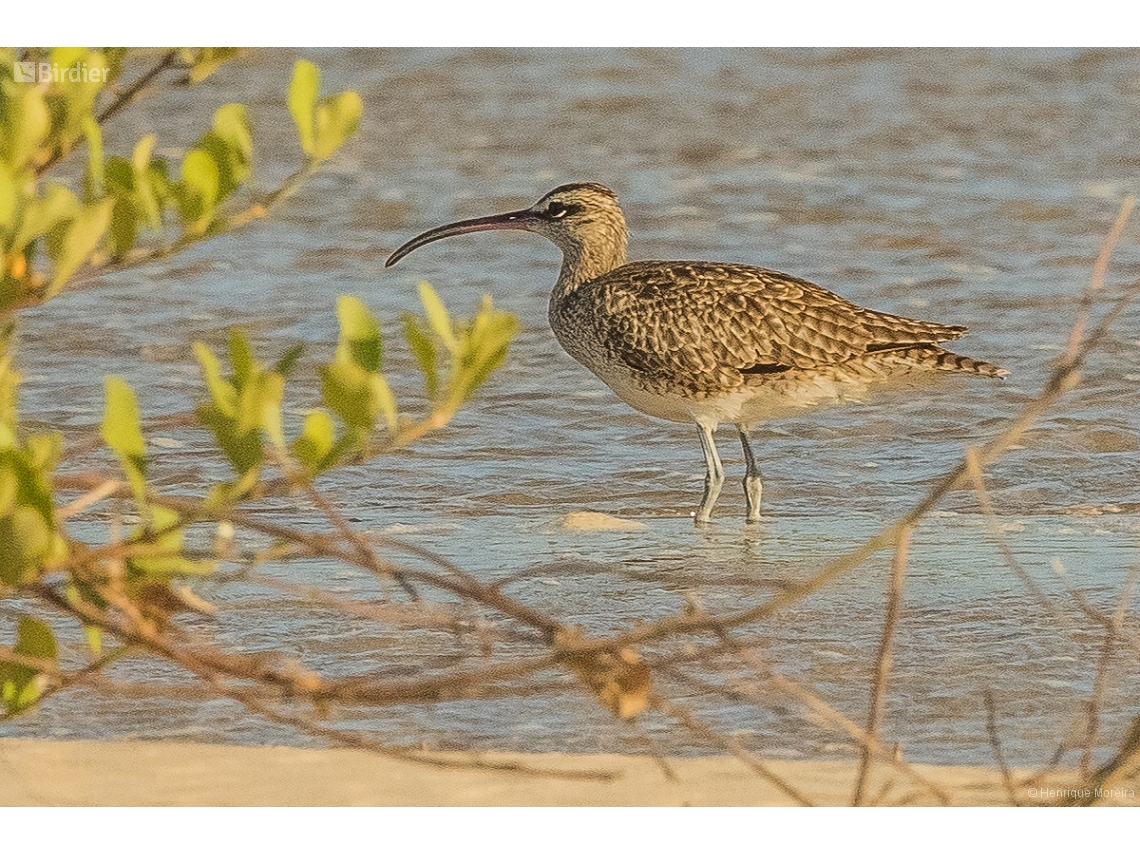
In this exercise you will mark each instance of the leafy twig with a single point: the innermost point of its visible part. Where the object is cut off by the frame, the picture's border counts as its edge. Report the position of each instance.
(121, 101)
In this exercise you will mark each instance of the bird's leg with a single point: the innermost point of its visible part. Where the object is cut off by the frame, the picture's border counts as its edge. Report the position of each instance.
(714, 474)
(752, 485)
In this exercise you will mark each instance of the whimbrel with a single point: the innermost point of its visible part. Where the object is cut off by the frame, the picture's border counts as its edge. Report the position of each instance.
(706, 343)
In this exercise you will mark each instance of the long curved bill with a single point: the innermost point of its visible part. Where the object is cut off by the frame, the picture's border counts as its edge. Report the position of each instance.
(521, 220)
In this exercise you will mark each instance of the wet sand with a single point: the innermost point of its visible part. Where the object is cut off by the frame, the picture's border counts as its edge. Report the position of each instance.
(87, 773)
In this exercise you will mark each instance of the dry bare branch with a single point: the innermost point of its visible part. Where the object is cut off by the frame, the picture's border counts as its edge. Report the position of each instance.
(883, 661)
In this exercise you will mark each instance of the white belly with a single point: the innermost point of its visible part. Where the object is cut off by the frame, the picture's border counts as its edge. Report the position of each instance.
(746, 406)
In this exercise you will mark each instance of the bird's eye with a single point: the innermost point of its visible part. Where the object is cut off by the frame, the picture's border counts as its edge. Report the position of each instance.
(559, 210)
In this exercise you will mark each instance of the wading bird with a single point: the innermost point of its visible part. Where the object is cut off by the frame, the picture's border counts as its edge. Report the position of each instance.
(706, 343)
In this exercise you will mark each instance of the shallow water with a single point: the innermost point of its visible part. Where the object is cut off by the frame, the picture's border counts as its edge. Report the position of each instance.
(966, 187)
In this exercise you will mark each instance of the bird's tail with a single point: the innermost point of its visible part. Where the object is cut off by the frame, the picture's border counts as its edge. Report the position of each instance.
(933, 358)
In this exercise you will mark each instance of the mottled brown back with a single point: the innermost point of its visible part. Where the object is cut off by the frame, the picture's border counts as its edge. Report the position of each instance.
(709, 328)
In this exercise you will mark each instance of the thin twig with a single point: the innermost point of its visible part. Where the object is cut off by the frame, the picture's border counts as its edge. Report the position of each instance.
(1126, 634)
(805, 696)
(816, 704)
(35, 663)
(883, 661)
(1100, 681)
(184, 692)
(650, 748)
(126, 96)
(89, 275)
(367, 556)
(422, 615)
(1099, 271)
(974, 469)
(231, 224)
(1101, 779)
(995, 744)
(64, 681)
(105, 490)
(208, 670)
(744, 755)
(465, 585)
(353, 739)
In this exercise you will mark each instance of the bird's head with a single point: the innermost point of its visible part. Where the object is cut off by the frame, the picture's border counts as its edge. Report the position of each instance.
(583, 220)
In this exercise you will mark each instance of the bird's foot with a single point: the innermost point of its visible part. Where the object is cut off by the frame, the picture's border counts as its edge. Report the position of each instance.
(752, 490)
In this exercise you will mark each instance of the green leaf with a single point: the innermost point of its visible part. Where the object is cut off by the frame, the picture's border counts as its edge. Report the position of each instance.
(147, 201)
(205, 61)
(232, 124)
(423, 348)
(25, 477)
(156, 179)
(93, 180)
(26, 127)
(284, 365)
(484, 346)
(43, 451)
(41, 214)
(200, 183)
(359, 333)
(121, 429)
(337, 118)
(34, 638)
(385, 400)
(231, 146)
(242, 448)
(345, 389)
(142, 153)
(241, 357)
(222, 391)
(71, 101)
(8, 198)
(119, 176)
(123, 435)
(302, 100)
(437, 316)
(270, 391)
(165, 557)
(124, 228)
(315, 442)
(25, 538)
(21, 686)
(248, 412)
(9, 383)
(80, 240)
(94, 636)
(9, 484)
(242, 409)
(351, 385)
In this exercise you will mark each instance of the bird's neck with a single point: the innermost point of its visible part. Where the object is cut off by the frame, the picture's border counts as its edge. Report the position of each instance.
(584, 262)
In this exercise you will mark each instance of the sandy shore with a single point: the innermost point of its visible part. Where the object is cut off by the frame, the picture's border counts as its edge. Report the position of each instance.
(34, 772)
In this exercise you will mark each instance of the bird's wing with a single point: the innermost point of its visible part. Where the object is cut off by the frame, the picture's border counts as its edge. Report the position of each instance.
(717, 322)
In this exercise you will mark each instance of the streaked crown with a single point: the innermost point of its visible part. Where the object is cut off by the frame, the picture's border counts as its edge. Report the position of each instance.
(587, 224)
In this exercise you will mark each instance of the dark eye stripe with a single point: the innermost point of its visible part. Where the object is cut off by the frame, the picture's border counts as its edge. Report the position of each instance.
(561, 210)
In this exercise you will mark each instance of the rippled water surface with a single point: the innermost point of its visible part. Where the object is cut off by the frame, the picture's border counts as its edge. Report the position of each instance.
(967, 187)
